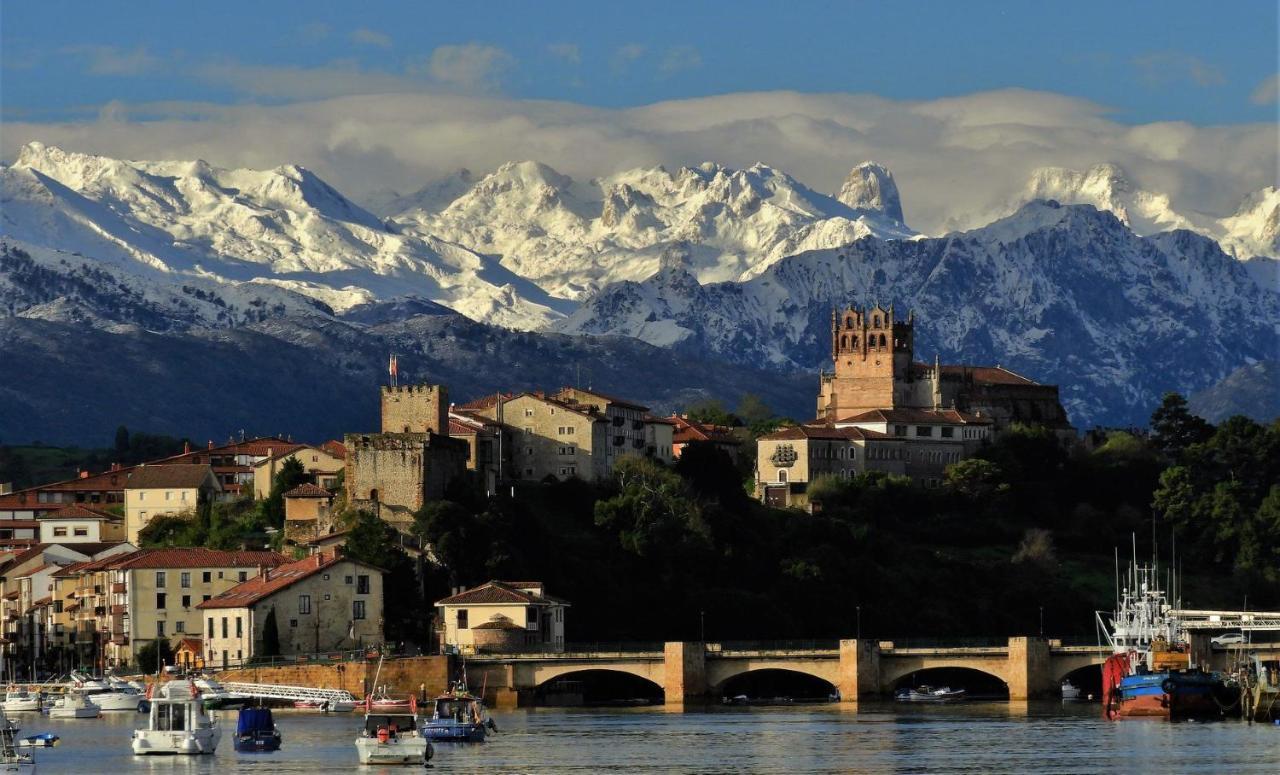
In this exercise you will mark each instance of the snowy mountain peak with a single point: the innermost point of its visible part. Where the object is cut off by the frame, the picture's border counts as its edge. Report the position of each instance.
(1254, 229)
(870, 186)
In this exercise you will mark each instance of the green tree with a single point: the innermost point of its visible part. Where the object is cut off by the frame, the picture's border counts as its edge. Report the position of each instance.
(652, 512)
(975, 478)
(711, 410)
(271, 635)
(146, 656)
(1174, 427)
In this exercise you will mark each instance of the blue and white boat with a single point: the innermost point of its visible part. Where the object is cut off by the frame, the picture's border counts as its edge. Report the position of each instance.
(256, 731)
(458, 717)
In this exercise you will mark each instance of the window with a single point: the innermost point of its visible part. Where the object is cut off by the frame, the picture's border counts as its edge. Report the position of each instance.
(184, 580)
(168, 494)
(239, 627)
(570, 430)
(159, 579)
(204, 597)
(899, 430)
(346, 580)
(206, 577)
(160, 600)
(160, 629)
(948, 432)
(210, 626)
(219, 574)
(326, 577)
(142, 515)
(531, 617)
(304, 604)
(357, 609)
(224, 626)
(782, 476)
(59, 531)
(327, 596)
(924, 430)
(80, 531)
(362, 585)
(462, 619)
(179, 626)
(186, 601)
(243, 575)
(142, 496)
(293, 622)
(528, 413)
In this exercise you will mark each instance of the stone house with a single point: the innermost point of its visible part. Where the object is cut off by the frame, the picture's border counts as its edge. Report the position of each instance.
(320, 464)
(156, 490)
(324, 602)
(308, 513)
(502, 617)
(688, 431)
(154, 593)
(789, 459)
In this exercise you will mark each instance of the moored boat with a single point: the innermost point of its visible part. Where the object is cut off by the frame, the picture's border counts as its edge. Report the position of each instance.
(177, 723)
(74, 704)
(458, 717)
(1070, 692)
(18, 699)
(392, 738)
(929, 694)
(256, 731)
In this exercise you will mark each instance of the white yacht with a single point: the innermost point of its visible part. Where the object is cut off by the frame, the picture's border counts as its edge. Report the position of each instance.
(392, 738)
(177, 723)
(18, 699)
(75, 704)
(215, 696)
(110, 694)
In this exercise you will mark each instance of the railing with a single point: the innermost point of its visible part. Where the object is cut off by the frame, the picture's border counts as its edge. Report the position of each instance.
(972, 642)
(118, 587)
(773, 645)
(587, 650)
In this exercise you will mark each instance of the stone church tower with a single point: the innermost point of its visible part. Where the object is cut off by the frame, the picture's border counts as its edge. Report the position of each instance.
(873, 354)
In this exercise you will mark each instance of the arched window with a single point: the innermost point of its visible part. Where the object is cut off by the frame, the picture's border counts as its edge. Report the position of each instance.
(844, 342)
(849, 321)
(882, 340)
(855, 340)
(875, 321)
(373, 495)
(782, 476)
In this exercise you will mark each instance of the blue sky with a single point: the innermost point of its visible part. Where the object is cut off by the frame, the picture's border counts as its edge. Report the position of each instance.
(1186, 61)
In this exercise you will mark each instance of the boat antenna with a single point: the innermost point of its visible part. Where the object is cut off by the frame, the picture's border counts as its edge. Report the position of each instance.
(1117, 598)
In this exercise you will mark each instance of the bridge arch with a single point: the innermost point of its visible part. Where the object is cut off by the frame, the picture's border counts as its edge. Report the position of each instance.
(977, 678)
(768, 682)
(598, 685)
(721, 674)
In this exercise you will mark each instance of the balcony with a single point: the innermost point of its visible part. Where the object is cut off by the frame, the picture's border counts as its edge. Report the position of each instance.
(119, 639)
(100, 610)
(119, 588)
(118, 610)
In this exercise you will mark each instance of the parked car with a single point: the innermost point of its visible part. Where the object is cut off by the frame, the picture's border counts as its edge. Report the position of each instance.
(1228, 639)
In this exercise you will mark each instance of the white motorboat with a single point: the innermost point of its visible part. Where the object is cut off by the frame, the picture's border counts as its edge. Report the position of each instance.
(110, 694)
(215, 696)
(1070, 691)
(75, 704)
(177, 723)
(19, 699)
(929, 694)
(392, 738)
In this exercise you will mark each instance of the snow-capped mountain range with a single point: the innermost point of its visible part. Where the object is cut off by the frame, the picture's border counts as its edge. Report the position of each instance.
(739, 265)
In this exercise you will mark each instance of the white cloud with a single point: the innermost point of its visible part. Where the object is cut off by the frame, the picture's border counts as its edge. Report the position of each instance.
(470, 67)
(1267, 92)
(680, 58)
(569, 52)
(338, 78)
(957, 161)
(111, 60)
(1163, 67)
(625, 55)
(367, 37)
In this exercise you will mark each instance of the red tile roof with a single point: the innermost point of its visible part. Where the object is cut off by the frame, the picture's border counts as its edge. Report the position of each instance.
(190, 644)
(259, 587)
(308, 490)
(825, 432)
(42, 601)
(196, 557)
(690, 430)
(335, 448)
(169, 475)
(904, 415)
(497, 593)
(80, 511)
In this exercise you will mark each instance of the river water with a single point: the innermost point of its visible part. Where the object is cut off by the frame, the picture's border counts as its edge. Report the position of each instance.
(878, 738)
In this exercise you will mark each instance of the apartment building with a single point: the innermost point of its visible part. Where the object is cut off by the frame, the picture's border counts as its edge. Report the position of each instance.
(161, 490)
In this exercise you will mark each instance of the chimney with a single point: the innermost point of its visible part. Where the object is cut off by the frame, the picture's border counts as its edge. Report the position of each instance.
(210, 443)
(264, 572)
(319, 559)
(84, 474)
(115, 466)
(186, 447)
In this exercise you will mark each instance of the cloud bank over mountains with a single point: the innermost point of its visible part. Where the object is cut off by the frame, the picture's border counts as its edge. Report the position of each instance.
(959, 161)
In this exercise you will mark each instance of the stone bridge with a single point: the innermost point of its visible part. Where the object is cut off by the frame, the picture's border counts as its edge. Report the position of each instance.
(694, 672)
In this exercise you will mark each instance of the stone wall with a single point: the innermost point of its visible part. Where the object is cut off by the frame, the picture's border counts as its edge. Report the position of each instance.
(400, 676)
(386, 468)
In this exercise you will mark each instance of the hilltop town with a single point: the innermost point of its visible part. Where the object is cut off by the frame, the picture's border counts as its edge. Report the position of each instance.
(256, 548)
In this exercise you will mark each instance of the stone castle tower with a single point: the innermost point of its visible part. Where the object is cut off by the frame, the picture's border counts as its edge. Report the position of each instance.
(873, 353)
(415, 409)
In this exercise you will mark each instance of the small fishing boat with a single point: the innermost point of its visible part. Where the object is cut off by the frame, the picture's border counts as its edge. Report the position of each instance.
(381, 701)
(256, 731)
(18, 699)
(42, 740)
(75, 704)
(392, 738)
(929, 694)
(177, 723)
(458, 717)
(1070, 692)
